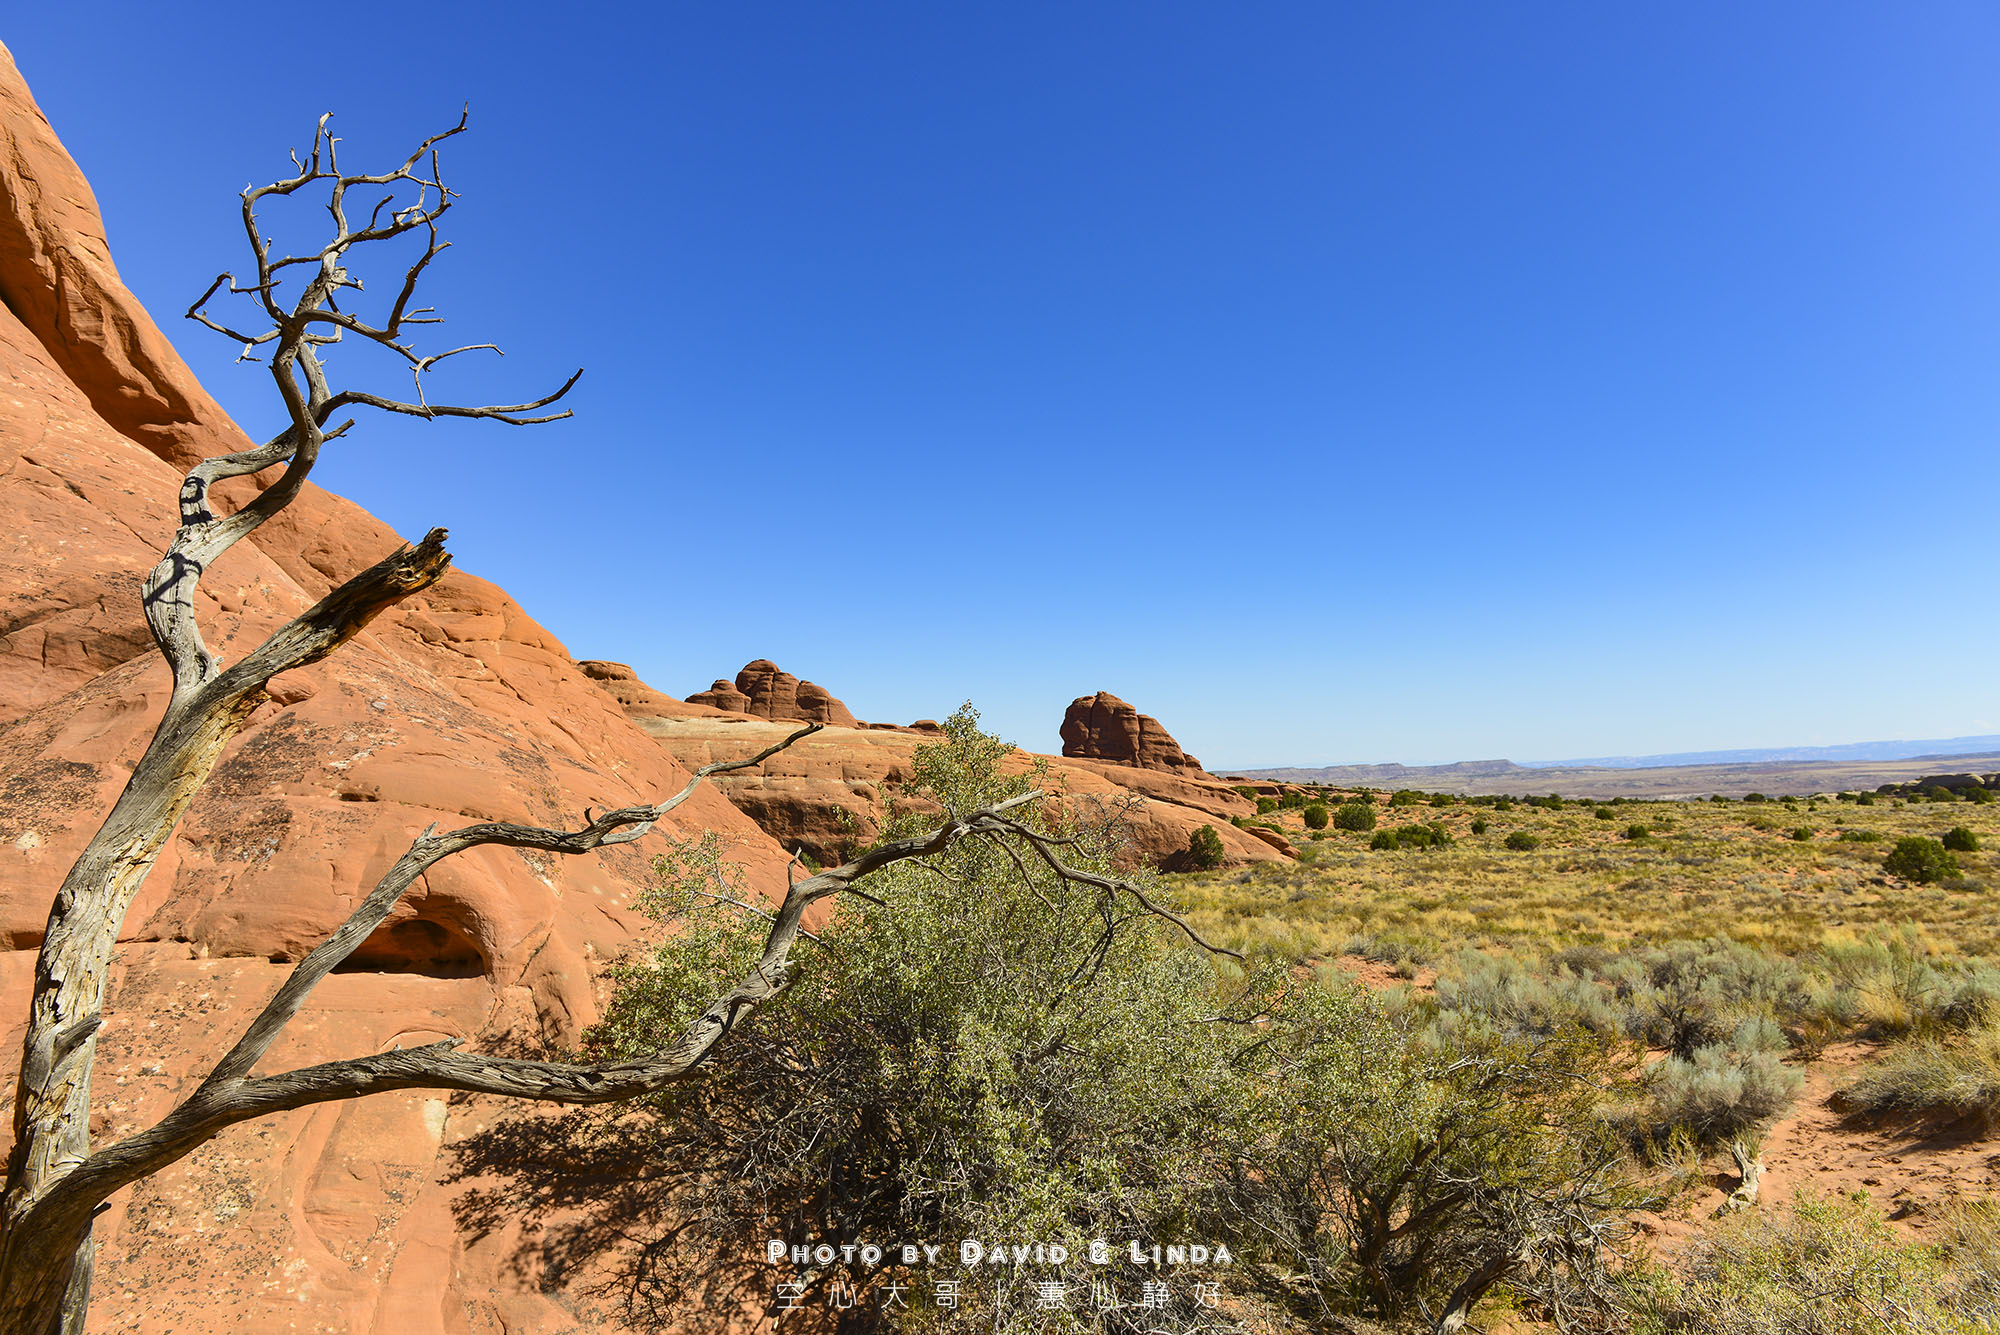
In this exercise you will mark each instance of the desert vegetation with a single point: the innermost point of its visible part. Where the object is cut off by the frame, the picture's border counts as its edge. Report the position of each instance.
(1713, 956)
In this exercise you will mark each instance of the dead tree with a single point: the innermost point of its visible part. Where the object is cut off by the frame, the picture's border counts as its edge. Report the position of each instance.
(57, 1182)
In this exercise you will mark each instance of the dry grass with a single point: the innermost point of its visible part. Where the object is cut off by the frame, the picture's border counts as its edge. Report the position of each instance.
(1707, 869)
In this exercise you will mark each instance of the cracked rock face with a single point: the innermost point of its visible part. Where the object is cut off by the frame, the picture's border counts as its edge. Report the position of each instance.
(456, 706)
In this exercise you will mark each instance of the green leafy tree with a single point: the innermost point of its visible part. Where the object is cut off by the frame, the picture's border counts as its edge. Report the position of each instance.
(1355, 816)
(1205, 851)
(1915, 858)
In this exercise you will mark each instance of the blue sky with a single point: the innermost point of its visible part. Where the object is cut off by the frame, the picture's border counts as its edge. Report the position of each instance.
(1334, 382)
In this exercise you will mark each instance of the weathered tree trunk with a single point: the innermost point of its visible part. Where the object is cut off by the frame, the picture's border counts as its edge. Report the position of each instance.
(1750, 1177)
(56, 1184)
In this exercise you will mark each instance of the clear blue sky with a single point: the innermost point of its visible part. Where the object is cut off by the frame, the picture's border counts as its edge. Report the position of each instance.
(1337, 382)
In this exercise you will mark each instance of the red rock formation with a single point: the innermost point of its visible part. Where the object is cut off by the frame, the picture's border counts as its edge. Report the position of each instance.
(722, 695)
(763, 690)
(1103, 727)
(826, 795)
(455, 706)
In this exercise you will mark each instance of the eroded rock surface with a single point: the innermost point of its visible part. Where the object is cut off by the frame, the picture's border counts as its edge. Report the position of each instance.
(1103, 727)
(455, 707)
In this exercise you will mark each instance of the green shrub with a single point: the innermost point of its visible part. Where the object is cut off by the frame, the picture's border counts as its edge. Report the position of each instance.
(1802, 834)
(1204, 849)
(1384, 839)
(1523, 842)
(1503, 804)
(1444, 799)
(1937, 792)
(1406, 798)
(1755, 797)
(1979, 795)
(1959, 839)
(1384, 1176)
(1294, 799)
(1266, 805)
(1860, 837)
(1637, 831)
(1433, 835)
(1354, 816)
(1247, 791)
(1479, 825)
(1316, 816)
(1864, 799)
(1922, 860)
(1718, 798)
(960, 1050)
(1605, 813)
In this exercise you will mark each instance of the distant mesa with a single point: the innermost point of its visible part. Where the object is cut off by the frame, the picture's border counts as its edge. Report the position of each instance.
(1103, 727)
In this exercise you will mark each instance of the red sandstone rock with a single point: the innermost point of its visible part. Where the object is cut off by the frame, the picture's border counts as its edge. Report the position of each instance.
(1103, 727)
(763, 690)
(454, 707)
(826, 795)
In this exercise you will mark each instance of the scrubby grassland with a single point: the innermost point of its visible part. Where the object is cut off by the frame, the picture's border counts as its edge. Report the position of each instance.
(1810, 980)
(1701, 869)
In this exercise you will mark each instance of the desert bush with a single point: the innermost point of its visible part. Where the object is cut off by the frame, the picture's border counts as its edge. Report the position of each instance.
(1688, 995)
(969, 1053)
(1802, 834)
(1316, 816)
(1718, 798)
(1399, 1177)
(1720, 1091)
(1204, 849)
(1247, 791)
(1444, 799)
(1406, 798)
(1294, 799)
(1523, 842)
(1960, 839)
(1979, 795)
(1433, 835)
(1864, 799)
(1637, 831)
(1384, 840)
(1889, 987)
(1605, 813)
(1479, 825)
(1937, 792)
(1755, 797)
(1915, 858)
(1266, 805)
(1354, 816)
(1948, 1076)
(1826, 1266)
(1514, 997)
(1860, 837)
(1503, 804)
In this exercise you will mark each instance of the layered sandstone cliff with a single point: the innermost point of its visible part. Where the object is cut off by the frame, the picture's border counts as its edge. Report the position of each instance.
(456, 706)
